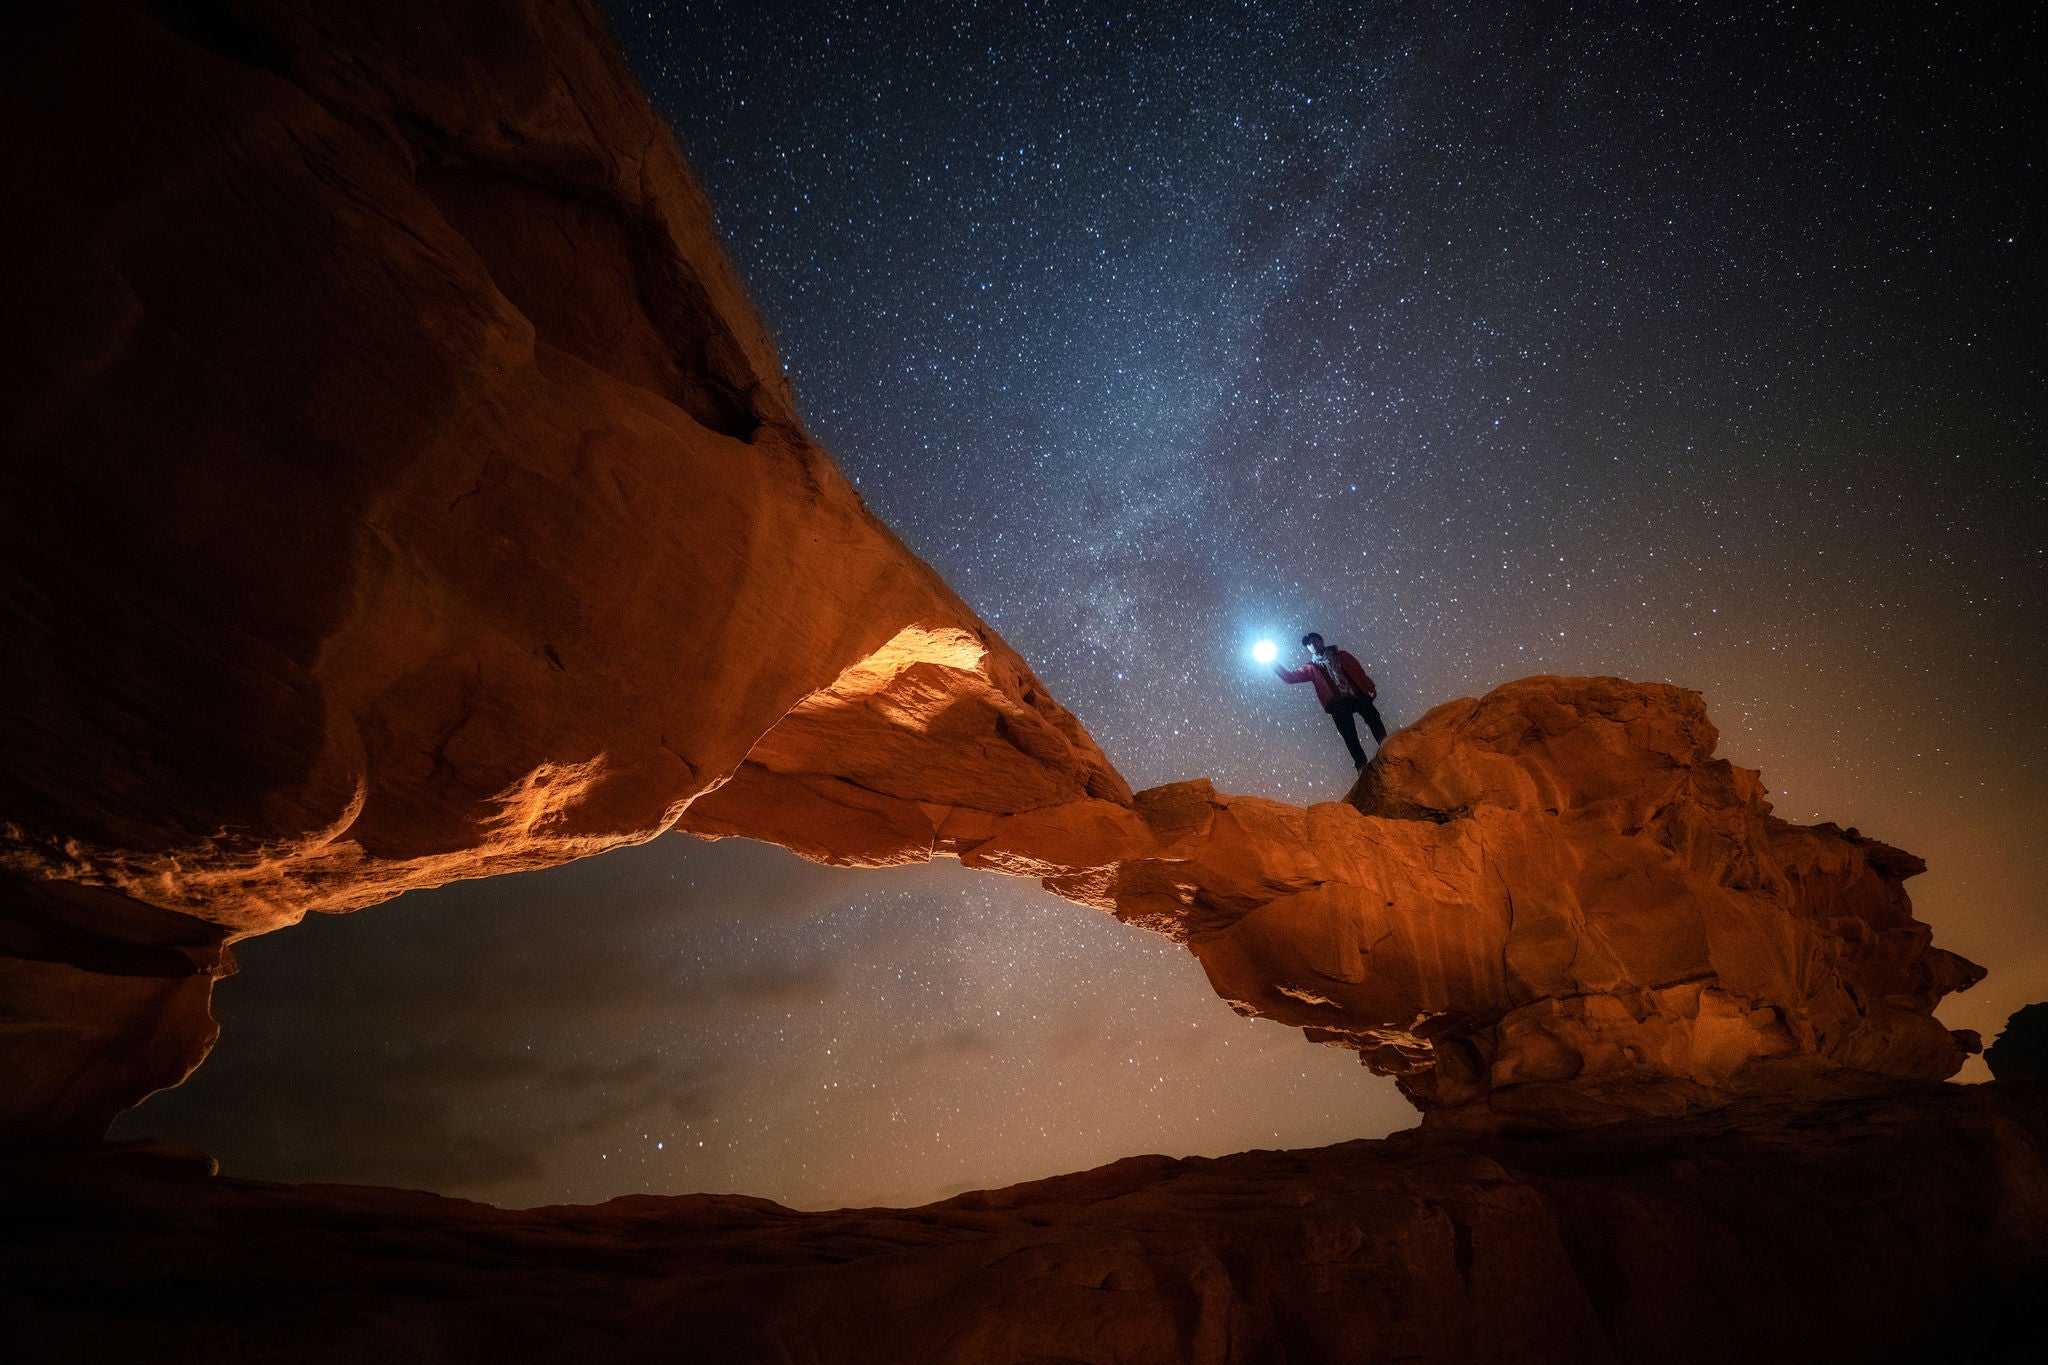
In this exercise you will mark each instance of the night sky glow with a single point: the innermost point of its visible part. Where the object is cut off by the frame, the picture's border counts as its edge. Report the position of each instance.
(1640, 340)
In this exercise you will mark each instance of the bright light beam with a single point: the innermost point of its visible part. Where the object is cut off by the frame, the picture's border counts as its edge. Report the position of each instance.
(1265, 651)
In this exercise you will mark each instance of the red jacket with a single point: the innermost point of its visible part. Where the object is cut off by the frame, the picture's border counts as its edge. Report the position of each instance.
(1325, 693)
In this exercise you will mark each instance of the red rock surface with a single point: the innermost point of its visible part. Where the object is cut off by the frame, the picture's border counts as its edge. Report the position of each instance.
(398, 487)
(1913, 1227)
(409, 492)
(1552, 905)
(1555, 905)
(92, 1019)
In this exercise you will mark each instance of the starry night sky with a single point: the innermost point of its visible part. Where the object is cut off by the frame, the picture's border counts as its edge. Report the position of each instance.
(1653, 340)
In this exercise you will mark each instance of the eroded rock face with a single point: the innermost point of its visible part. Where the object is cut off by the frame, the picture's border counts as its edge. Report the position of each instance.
(1549, 906)
(1553, 905)
(102, 1000)
(925, 747)
(397, 487)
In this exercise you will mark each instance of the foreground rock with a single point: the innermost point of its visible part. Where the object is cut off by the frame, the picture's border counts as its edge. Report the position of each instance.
(1908, 1227)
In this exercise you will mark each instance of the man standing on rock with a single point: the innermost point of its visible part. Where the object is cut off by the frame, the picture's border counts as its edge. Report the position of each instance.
(1343, 689)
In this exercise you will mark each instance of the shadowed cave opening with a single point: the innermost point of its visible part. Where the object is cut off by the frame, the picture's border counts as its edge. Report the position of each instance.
(683, 1016)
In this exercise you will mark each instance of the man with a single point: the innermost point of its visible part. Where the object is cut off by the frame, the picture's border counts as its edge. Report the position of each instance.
(1343, 689)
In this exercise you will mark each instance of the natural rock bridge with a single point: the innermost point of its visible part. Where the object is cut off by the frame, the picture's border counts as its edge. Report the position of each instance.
(439, 509)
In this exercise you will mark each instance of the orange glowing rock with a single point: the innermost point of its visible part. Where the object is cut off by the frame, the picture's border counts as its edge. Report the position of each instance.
(1552, 905)
(409, 492)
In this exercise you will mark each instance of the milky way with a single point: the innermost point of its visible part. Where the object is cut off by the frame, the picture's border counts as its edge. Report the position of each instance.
(1628, 340)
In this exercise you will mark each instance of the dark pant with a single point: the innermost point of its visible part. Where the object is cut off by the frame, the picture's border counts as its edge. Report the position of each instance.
(1346, 711)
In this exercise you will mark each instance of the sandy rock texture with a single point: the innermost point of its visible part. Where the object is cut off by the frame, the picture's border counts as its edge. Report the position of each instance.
(1552, 905)
(397, 486)
(1908, 1228)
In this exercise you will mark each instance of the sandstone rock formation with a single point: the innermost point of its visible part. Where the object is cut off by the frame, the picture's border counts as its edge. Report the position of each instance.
(1559, 904)
(1552, 905)
(398, 487)
(1908, 1228)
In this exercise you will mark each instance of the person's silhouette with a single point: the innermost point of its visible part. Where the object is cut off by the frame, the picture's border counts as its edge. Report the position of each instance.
(1344, 690)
